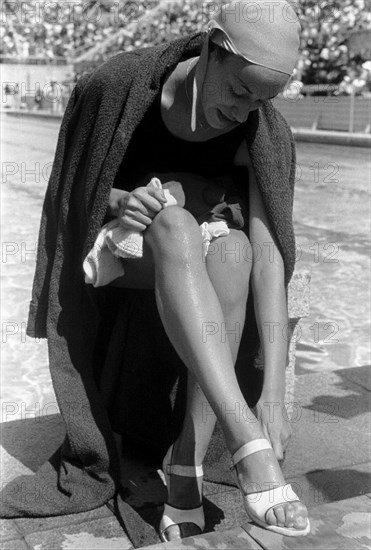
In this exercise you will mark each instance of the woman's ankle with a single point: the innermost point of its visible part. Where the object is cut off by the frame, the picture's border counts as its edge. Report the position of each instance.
(187, 453)
(235, 440)
(184, 491)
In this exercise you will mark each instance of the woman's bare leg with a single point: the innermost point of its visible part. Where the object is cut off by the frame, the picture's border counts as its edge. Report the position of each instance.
(230, 280)
(229, 272)
(188, 305)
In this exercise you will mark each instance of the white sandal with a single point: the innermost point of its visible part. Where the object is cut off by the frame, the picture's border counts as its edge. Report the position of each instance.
(177, 516)
(257, 505)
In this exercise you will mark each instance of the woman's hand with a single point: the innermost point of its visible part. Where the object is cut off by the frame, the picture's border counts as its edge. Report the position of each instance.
(137, 209)
(116, 195)
(275, 424)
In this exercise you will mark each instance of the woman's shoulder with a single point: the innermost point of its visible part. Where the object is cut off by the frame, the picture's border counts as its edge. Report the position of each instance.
(118, 72)
(115, 70)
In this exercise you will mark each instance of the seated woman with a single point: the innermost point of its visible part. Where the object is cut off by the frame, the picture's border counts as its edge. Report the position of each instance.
(191, 112)
(194, 129)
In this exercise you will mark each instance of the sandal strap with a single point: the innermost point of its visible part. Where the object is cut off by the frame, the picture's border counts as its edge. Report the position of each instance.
(261, 502)
(177, 516)
(250, 448)
(185, 471)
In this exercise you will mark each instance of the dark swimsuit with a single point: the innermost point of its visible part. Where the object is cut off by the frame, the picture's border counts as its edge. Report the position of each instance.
(153, 150)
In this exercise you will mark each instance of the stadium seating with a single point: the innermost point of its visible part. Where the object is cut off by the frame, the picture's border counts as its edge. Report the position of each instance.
(72, 30)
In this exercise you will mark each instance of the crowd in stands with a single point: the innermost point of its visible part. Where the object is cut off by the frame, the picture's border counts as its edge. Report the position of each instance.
(55, 29)
(326, 56)
(69, 29)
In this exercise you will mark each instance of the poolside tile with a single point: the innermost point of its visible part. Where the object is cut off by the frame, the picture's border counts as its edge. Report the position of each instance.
(32, 525)
(90, 535)
(233, 539)
(8, 530)
(15, 544)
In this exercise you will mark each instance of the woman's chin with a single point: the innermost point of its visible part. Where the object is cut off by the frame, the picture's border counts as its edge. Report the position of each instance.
(219, 121)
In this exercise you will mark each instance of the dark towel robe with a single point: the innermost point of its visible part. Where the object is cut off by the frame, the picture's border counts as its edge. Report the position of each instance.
(78, 320)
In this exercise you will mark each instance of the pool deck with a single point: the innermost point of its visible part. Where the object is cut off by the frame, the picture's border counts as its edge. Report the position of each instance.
(328, 460)
(354, 139)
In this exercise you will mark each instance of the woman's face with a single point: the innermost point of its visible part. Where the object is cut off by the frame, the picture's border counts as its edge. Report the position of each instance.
(233, 87)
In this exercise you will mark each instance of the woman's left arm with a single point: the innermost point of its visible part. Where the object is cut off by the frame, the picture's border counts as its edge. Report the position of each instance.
(270, 303)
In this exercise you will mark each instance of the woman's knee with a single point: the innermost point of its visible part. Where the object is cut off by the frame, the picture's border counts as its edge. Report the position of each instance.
(173, 226)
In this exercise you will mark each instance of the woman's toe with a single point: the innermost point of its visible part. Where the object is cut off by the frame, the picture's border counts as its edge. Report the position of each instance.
(173, 533)
(291, 515)
(280, 518)
(276, 516)
(177, 532)
(296, 516)
(300, 516)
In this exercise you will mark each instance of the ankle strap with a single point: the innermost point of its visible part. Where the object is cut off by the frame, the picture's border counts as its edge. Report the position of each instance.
(185, 471)
(250, 448)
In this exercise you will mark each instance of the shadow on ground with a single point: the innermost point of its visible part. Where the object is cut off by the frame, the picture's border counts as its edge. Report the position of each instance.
(31, 441)
(353, 381)
(334, 485)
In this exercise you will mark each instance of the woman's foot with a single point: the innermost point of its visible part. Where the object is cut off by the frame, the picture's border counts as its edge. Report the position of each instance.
(259, 472)
(184, 492)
